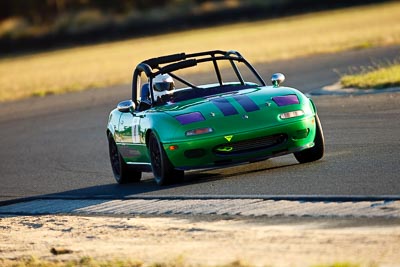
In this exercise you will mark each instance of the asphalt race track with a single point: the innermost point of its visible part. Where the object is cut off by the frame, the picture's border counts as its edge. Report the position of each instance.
(57, 144)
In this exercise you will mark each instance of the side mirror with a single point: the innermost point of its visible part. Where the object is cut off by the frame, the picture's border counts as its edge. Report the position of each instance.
(277, 79)
(126, 106)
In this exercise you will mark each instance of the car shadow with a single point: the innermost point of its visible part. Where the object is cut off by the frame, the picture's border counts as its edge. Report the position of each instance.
(148, 189)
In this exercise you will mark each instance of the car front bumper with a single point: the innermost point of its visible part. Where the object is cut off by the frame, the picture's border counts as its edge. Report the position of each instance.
(228, 149)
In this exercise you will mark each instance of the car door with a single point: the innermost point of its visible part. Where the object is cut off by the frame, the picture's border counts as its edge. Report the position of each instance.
(128, 128)
(132, 145)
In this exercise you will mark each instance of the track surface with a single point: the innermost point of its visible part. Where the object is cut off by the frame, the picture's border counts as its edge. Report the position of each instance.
(57, 145)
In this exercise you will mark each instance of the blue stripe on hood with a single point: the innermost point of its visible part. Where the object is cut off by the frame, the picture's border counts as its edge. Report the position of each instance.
(225, 106)
(246, 102)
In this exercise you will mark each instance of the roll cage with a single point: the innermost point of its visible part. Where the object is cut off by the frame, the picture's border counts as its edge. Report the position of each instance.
(167, 64)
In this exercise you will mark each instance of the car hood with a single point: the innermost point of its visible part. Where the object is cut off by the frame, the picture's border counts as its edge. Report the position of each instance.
(239, 111)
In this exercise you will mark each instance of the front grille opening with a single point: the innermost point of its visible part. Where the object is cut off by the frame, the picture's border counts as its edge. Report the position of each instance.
(250, 145)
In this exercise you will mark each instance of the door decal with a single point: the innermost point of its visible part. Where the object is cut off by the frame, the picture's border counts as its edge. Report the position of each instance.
(135, 130)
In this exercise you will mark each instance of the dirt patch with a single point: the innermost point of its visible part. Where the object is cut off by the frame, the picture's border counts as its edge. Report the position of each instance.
(203, 240)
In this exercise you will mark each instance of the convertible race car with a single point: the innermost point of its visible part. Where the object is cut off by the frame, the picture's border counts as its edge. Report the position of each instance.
(206, 110)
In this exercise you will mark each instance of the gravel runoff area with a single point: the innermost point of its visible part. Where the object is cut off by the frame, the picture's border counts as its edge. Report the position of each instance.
(208, 233)
(203, 240)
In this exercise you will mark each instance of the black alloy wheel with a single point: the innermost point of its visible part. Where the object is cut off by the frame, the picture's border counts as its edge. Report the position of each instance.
(317, 151)
(123, 173)
(164, 172)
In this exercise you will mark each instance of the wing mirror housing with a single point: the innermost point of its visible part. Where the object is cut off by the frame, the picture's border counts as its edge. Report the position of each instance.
(277, 79)
(126, 106)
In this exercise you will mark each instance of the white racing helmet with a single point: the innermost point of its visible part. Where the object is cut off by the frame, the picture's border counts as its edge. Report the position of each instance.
(163, 84)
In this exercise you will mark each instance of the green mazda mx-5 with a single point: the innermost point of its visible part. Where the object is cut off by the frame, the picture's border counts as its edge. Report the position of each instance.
(206, 110)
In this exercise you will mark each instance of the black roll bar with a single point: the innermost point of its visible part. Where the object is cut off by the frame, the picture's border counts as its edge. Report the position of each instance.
(154, 62)
(142, 67)
(183, 60)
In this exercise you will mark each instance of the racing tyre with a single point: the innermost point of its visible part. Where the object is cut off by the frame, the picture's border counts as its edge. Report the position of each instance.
(317, 151)
(163, 170)
(123, 173)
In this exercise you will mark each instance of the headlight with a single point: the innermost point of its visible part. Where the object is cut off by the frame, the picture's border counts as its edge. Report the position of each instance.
(190, 118)
(199, 131)
(286, 100)
(291, 114)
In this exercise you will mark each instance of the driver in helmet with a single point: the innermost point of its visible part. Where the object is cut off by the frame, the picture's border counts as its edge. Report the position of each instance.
(163, 88)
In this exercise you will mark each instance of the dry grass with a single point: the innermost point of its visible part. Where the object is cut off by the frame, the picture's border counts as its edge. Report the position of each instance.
(379, 79)
(83, 262)
(102, 65)
(89, 262)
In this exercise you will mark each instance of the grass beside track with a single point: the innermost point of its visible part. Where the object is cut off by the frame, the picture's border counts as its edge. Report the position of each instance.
(102, 65)
(89, 262)
(378, 79)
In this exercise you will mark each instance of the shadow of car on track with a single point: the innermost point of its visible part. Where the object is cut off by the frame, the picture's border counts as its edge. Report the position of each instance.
(148, 188)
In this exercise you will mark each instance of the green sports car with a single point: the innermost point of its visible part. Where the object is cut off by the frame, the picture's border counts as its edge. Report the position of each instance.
(206, 110)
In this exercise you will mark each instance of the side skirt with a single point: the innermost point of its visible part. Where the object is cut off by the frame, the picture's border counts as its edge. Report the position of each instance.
(143, 167)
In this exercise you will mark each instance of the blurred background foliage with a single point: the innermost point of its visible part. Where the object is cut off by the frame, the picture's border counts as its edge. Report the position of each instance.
(40, 24)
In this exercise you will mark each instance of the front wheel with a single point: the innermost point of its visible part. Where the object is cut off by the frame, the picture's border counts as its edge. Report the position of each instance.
(123, 173)
(317, 151)
(164, 172)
